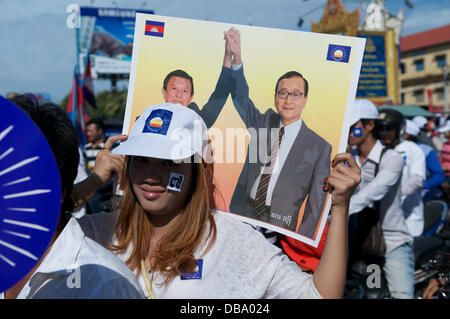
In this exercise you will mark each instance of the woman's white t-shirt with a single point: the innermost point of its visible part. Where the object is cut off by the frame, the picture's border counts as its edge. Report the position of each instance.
(240, 264)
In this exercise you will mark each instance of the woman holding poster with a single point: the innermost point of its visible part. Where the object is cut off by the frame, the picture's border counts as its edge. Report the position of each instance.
(178, 248)
(272, 150)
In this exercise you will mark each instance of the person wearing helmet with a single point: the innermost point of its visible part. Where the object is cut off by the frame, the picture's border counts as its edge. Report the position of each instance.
(423, 137)
(391, 127)
(392, 130)
(435, 174)
(382, 189)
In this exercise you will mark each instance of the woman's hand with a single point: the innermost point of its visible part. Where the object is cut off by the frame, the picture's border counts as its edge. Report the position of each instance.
(107, 165)
(329, 277)
(343, 179)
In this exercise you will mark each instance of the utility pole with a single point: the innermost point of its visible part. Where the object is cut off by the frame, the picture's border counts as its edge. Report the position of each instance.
(113, 79)
(446, 89)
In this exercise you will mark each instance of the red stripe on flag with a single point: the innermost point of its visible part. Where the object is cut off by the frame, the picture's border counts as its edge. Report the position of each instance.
(149, 27)
(70, 102)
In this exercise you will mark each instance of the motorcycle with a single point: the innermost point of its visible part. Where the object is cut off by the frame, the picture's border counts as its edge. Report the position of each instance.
(429, 249)
(438, 268)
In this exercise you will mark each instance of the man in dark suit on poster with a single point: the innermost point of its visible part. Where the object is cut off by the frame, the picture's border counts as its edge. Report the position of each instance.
(273, 189)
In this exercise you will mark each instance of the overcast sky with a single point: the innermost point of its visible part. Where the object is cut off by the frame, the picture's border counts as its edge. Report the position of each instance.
(38, 49)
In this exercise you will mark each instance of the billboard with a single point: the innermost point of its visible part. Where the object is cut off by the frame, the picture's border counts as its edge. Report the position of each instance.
(107, 34)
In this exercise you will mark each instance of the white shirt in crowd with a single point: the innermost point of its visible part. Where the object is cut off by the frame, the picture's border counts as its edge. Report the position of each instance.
(386, 188)
(77, 267)
(240, 264)
(413, 177)
(81, 175)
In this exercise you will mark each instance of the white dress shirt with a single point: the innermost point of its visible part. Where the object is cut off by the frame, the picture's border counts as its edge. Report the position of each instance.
(413, 177)
(290, 134)
(78, 267)
(385, 187)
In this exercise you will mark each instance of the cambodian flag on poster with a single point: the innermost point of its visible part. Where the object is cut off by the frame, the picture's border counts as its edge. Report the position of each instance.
(154, 28)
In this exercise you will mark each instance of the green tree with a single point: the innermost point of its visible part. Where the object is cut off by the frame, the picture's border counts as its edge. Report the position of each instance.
(109, 104)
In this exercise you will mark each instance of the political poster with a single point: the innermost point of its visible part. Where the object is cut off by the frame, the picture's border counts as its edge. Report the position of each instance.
(275, 120)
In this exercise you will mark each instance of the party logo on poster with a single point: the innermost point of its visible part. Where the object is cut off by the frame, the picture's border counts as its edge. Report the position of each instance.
(338, 53)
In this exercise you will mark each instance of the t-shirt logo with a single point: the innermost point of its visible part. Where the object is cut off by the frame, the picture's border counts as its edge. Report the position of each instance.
(197, 274)
(158, 122)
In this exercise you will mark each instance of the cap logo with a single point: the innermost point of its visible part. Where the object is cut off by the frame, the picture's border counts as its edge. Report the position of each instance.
(158, 122)
(382, 116)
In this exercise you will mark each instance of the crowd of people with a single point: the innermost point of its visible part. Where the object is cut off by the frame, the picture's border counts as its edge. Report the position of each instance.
(165, 237)
(387, 169)
(404, 165)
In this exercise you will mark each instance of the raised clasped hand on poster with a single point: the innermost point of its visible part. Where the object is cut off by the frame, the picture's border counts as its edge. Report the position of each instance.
(233, 45)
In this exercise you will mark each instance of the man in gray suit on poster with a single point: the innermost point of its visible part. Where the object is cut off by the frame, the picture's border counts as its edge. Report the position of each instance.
(273, 189)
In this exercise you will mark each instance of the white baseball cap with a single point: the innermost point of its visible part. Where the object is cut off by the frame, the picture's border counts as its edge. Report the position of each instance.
(420, 120)
(445, 128)
(363, 109)
(166, 131)
(412, 128)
